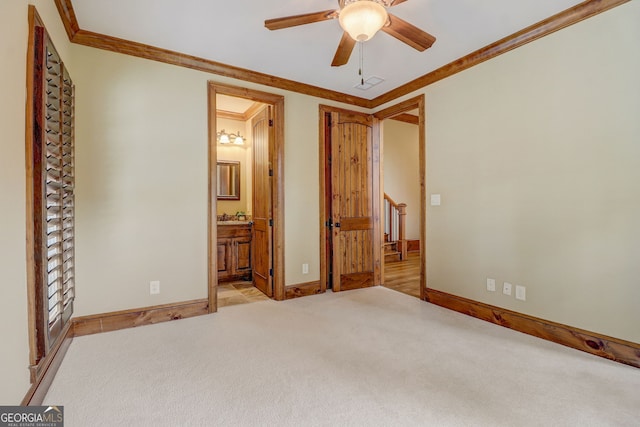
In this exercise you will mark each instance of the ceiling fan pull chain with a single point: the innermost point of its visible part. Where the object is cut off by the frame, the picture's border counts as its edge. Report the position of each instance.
(360, 71)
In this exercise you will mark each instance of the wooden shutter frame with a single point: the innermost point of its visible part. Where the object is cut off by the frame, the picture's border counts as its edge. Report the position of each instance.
(42, 347)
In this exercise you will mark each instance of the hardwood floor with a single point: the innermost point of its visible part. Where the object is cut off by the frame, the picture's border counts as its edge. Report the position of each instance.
(233, 293)
(404, 276)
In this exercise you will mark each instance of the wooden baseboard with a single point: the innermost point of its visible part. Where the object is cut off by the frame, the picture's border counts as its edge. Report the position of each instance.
(600, 345)
(42, 375)
(114, 321)
(302, 290)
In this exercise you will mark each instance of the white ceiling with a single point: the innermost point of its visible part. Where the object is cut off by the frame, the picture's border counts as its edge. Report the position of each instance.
(233, 104)
(232, 32)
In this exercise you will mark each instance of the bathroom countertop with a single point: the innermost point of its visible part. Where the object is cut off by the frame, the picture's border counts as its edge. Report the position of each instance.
(246, 222)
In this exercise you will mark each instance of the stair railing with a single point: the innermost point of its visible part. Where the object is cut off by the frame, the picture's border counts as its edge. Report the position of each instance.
(395, 224)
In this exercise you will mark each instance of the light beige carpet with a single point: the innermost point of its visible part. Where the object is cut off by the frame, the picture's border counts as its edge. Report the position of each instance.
(370, 357)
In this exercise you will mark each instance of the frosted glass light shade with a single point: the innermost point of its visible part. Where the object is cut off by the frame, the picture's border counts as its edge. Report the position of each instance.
(224, 138)
(362, 19)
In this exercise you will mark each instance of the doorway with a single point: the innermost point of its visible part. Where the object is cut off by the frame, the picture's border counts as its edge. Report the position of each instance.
(409, 274)
(412, 110)
(258, 250)
(401, 209)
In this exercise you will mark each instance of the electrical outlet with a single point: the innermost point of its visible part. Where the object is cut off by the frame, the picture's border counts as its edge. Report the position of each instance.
(154, 287)
(491, 284)
(506, 288)
(305, 268)
(521, 293)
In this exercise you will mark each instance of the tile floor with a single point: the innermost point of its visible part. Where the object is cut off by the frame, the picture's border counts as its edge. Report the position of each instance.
(233, 293)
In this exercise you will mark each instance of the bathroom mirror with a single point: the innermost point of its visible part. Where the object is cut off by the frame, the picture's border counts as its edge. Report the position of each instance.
(228, 180)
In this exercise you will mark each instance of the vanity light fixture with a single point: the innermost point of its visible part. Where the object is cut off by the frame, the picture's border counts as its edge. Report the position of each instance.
(228, 138)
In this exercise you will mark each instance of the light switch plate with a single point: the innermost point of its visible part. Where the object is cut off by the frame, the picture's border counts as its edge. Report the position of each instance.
(435, 200)
(521, 293)
(491, 284)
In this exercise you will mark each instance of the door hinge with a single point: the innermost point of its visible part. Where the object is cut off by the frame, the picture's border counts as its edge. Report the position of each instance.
(271, 272)
(270, 122)
(270, 172)
(329, 223)
(270, 222)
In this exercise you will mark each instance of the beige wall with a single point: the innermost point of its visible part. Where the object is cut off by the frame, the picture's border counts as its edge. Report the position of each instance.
(237, 153)
(401, 170)
(537, 157)
(141, 150)
(14, 357)
(141, 182)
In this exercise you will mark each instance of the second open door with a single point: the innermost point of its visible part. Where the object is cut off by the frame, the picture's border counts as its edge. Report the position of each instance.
(261, 126)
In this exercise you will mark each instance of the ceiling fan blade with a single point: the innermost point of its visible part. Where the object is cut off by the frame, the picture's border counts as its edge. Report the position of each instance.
(344, 50)
(293, 21)
(408, 33)
(396, 2)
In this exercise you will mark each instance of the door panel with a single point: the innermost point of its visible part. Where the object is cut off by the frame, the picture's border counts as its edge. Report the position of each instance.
(355, 190)
(243, 258)
(262, 253)
(222, 256)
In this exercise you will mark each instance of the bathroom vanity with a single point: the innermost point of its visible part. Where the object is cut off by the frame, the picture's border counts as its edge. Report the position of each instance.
(234, 250)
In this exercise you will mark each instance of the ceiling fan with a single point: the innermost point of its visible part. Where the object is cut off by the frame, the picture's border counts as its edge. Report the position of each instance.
(360, 20)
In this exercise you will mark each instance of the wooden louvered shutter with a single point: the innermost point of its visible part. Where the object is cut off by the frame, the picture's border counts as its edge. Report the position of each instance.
(54, 206)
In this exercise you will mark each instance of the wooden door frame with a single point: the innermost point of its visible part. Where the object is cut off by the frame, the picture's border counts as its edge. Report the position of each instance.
(277, 188)
(377, 201)
(408, 105)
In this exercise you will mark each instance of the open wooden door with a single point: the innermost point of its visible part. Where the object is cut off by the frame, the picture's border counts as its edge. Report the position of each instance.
(262, 211)
(355, 200)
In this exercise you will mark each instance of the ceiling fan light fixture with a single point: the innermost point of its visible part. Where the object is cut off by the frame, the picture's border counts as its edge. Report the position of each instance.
(362, 19)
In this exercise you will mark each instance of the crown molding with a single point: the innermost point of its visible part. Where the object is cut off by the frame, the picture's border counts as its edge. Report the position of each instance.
(127, 47)
(253, 110)
(412, 119)
(243, 117)
(534, 32)
(230, 115)
(68, 16)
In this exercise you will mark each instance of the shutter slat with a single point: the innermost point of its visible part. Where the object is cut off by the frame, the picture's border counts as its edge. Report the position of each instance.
(57, 169)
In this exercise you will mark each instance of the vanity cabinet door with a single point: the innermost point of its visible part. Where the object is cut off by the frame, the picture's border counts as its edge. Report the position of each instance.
(243, 254)
(234, 253)
(224, 258)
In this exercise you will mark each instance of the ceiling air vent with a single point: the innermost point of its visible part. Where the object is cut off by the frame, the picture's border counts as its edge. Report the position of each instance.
(369, 83)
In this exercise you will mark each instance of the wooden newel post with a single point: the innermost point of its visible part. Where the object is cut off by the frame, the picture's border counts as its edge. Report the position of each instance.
(402, 214)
